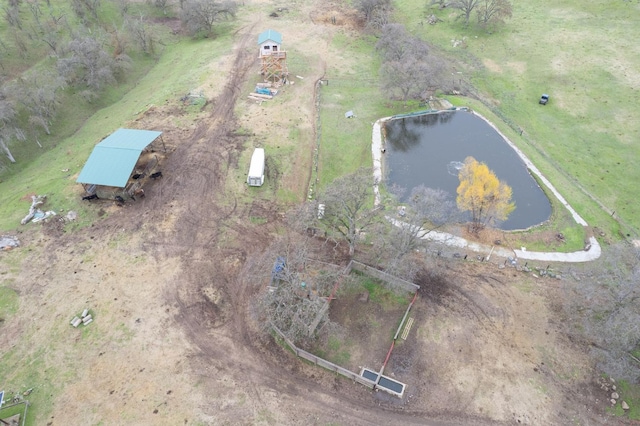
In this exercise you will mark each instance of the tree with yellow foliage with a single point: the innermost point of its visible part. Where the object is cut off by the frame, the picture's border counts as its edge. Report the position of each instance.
(481, 193)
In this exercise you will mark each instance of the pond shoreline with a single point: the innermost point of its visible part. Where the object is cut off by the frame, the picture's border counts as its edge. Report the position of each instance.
(378, 150)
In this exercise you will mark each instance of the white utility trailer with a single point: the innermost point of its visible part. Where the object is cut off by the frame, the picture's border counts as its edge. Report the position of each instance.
(256, 169)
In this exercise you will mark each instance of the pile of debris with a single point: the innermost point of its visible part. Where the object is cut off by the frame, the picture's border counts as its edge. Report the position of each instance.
(85, 319)
(8, 242)
(35, 214)
(263, 92)
(194, 97)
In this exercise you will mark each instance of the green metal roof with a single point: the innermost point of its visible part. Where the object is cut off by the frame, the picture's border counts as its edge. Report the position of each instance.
(113, 159)
(270, 35)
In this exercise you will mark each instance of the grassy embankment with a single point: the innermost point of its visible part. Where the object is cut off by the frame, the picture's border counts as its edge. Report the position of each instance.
(52, 170)
(585, 139)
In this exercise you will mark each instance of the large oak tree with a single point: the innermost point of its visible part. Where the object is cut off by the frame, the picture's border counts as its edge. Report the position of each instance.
(348, 206)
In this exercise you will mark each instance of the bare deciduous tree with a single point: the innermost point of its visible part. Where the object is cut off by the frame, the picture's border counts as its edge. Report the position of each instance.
(37, 92)
(86, 60)
(20, 43)
(36, 12)
(52, 30)
(408, 70)
(604, 309)
(303, 218)
(466, 7)
(368, 7)
(123, 6)
(161, 4)
(374, 12)
(348, 206)
(297, 296)
(492, 12)
(9, 129)
(199, 16)
(12, 15)
(394, 42)
(428, 209)
(394, 246)
(83, 7)
(141, 33)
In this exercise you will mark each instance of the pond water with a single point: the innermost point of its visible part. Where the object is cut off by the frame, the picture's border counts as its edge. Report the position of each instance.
(429, 150)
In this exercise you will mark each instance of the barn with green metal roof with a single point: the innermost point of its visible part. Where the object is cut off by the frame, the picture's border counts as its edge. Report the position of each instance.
(114, 159)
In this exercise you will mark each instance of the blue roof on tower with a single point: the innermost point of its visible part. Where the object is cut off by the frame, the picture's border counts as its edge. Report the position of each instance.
(272, 35)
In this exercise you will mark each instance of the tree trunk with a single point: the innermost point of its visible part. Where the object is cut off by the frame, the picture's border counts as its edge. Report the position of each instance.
(5, 148)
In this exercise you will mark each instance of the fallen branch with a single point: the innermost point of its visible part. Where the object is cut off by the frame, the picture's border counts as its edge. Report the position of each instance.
(36, 201)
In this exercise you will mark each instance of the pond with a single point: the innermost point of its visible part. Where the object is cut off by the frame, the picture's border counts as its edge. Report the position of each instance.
(429, 150)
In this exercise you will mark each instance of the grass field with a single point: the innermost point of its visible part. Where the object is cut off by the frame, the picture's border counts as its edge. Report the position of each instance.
(586, 138)
(52, 171)
(585, 141)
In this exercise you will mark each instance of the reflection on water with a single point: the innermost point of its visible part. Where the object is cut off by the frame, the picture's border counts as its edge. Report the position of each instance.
(430, 149)
(454, 168)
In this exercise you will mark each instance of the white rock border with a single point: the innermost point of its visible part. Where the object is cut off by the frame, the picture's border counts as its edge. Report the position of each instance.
(594, 251)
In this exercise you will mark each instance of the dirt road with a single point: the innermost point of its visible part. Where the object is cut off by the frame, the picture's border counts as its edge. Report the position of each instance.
(174, 341)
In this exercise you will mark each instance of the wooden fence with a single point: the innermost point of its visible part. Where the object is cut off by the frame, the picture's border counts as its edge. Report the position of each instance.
(381, 275)
(323, 362)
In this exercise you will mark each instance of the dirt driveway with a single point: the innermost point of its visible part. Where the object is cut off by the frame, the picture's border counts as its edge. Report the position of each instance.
(174, 342)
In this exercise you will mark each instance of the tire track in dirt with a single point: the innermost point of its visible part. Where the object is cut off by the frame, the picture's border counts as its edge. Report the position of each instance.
(197, 230)
(193, 192)
(218, 326)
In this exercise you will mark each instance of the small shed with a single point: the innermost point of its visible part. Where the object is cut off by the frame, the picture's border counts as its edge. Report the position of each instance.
(112, 160)
(270, 41)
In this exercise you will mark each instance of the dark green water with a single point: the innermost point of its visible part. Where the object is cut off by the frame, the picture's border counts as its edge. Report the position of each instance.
(429, 150)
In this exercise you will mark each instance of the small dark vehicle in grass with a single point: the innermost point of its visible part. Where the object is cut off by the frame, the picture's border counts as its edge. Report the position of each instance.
(543, 99)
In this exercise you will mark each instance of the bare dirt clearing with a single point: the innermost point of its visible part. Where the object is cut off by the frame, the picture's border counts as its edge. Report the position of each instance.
(173, 340)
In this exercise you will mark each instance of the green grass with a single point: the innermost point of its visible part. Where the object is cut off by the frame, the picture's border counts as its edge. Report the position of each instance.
(256, 220)
(21, 373)
(8, 302)
(9, 411)
(346, 143)
(578, 53)
(630, 393)
(178, 70)
(336, 350)
(378, 292)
